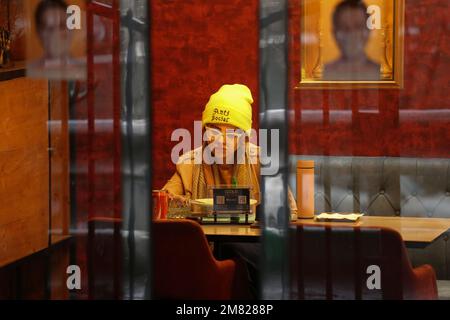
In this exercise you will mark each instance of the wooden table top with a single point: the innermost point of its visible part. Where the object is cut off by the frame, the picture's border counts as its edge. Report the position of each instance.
(421, 231)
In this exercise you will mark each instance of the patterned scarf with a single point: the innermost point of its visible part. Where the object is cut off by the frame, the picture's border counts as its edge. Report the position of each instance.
(246, 174)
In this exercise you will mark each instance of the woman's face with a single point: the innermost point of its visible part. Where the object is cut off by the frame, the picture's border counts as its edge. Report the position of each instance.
(227, 138)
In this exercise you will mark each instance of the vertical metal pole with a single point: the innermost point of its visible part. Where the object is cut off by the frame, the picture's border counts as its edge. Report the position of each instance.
(274, 106)
(136, 141)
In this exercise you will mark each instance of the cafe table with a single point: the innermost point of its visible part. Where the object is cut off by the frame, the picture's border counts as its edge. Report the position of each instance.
(416, 232)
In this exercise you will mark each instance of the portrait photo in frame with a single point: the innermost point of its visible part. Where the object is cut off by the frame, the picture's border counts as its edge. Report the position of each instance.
(56, 49)
(351, 44)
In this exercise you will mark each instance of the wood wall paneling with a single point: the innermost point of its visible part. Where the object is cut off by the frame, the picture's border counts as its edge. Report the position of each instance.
(24, 168)
(59, 141)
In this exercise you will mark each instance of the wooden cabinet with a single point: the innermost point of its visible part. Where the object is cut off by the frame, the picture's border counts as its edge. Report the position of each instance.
(25, 162)
(24, 168)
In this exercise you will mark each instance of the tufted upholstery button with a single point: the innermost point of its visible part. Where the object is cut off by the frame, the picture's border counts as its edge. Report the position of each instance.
(381, 191)
(414, 194)
(397, 213)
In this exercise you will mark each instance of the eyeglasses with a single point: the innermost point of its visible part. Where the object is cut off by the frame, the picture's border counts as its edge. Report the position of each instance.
(213, 133)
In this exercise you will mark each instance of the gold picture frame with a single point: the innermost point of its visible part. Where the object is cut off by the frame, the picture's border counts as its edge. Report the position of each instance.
(319, 48)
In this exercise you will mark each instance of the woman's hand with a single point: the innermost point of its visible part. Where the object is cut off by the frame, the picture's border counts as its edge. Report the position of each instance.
(178, 200)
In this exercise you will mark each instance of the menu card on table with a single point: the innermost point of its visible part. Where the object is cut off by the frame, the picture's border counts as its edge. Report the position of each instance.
(338, 217)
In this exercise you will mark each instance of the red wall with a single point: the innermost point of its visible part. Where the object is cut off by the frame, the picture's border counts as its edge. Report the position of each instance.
(197, 46)
(411, 122)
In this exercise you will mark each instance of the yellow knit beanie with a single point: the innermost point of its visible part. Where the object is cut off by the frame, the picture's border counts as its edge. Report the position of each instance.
(232, 104)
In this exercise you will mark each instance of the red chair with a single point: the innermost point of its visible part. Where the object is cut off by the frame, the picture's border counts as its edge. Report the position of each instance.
(185, 268)
(333, 263)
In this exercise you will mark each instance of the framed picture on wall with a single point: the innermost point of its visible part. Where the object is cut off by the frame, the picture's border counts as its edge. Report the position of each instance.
(56, 39)
(350, 44)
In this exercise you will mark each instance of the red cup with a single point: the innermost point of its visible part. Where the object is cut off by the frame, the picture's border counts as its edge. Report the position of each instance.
(164, 204)
(160, 204)
(156, 214)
